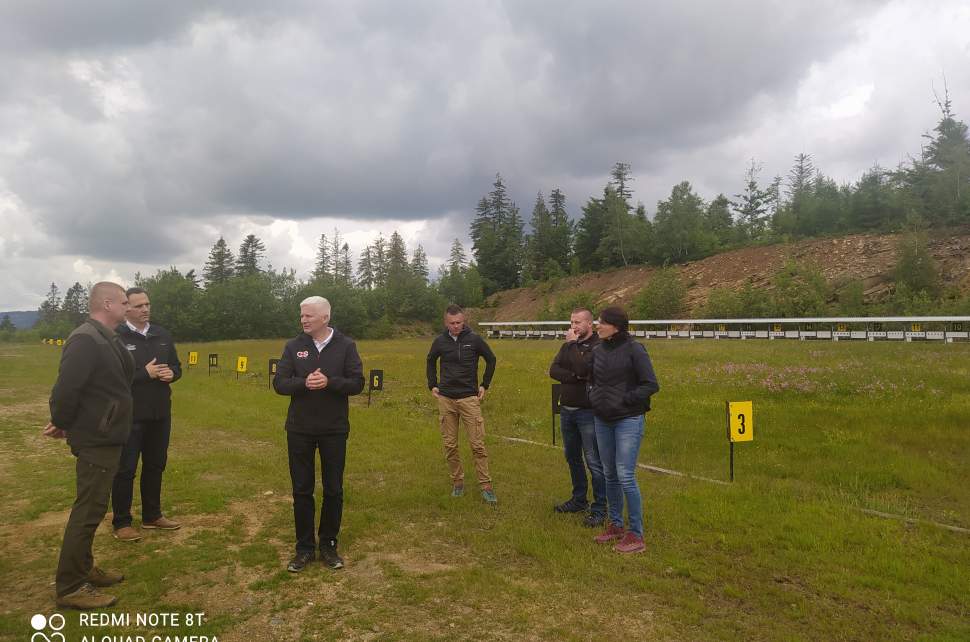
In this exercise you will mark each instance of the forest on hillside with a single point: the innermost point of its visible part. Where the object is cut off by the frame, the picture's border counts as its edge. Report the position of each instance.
(386, 288)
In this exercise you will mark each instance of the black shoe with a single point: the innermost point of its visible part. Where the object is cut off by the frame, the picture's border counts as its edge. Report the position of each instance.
(571, 506)
(299, 562)
(328, 555)
(594, 521)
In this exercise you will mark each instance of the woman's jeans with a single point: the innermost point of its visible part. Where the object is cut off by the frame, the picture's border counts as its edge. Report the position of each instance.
(619, 444)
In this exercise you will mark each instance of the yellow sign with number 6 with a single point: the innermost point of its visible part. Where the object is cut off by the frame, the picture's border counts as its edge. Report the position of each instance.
(740, 415)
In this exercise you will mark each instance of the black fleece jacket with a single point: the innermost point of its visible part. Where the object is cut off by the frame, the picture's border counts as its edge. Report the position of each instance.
(153, 397)
(319, 412)
(91, 398)
(571, 369)
(459, 364)
(622, 378)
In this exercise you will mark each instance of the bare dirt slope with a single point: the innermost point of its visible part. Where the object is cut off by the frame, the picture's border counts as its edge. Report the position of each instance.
(868, 257)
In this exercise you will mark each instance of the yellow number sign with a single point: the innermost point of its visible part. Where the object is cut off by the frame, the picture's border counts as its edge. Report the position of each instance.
(241, 363)
(917, 327)
(60, 342)
(740, 421)
(193, 358)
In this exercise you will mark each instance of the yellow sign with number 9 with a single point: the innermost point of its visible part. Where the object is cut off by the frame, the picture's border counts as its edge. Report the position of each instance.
(740, 421)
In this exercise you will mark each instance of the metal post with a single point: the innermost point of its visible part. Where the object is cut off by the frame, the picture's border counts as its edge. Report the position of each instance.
(732, 461)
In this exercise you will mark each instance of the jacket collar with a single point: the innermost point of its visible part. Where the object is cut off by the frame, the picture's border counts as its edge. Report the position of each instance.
(464, 332)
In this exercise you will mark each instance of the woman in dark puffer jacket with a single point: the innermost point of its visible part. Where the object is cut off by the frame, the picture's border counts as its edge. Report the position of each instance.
(621, 383)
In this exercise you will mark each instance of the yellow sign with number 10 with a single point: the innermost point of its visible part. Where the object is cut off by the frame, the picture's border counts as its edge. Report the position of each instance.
(740, 421)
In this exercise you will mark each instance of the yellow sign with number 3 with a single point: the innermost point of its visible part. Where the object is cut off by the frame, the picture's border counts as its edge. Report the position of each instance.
(740, 420)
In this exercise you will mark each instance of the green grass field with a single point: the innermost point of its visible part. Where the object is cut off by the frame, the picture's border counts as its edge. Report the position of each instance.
(786, 552)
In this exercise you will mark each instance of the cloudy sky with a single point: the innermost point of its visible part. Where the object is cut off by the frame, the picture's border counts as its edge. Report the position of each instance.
(134, 134)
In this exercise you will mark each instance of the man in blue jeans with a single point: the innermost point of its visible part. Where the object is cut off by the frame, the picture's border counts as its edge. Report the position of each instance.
(571, 369)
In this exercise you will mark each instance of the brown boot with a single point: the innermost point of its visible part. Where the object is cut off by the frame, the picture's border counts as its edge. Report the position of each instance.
(127, 534)
(101, 578)
(162, 523)
(86, 597)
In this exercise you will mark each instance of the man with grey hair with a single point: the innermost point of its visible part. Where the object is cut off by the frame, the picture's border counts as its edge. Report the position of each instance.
(319, 370)
(91, 406)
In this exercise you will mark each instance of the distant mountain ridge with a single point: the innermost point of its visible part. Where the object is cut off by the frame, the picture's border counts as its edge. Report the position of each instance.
(23, 319)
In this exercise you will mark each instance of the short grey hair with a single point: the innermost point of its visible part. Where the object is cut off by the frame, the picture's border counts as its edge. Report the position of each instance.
(318, 301)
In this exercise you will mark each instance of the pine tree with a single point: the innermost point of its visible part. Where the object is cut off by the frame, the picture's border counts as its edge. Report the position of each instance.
(539, 243)
(621, 177)
(336, 260)
(365, 269)
(561, 236)
(219, 267)
(457, 261)
(589, 234)
(251, 252)
(751, 205)
(75, 307)
(397, 257)
(419, 264)
(346, 266)
(50, 309)
(321, 270)
(379, 261)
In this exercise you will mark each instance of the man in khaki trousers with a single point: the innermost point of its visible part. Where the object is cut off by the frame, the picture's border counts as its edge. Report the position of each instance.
(459, 396)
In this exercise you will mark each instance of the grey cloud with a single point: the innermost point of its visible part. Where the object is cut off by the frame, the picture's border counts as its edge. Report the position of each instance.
(380, 110)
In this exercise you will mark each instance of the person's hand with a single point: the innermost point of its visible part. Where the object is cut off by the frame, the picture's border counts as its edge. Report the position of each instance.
(435, 392)
(317, 380)
(166, 374)
(570, 335)
(53, 431)
(481, 393)
(154, 369)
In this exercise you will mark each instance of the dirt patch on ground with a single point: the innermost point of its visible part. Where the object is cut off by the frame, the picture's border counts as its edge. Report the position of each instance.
(866, 257)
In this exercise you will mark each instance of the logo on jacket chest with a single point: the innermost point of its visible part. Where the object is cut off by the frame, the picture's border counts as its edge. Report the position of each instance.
(303, 354)
(131, 347)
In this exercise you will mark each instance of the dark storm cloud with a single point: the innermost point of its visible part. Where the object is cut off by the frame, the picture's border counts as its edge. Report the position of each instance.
(130, 119)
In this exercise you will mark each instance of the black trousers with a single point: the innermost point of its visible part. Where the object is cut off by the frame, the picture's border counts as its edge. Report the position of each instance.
(95, 469)
(149, 440)
(302, 450)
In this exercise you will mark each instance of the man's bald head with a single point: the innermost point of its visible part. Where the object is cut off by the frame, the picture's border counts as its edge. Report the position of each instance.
(108, 303)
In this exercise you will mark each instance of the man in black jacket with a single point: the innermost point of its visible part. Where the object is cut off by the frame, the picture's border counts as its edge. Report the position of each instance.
(571, 369)
(459, 396)
(156, 368)
(319, 370)
(91, 406)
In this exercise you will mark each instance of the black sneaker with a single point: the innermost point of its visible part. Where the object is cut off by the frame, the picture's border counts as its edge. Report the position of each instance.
(328, 555)
(299, 562)
(594, 521)
(571, 506)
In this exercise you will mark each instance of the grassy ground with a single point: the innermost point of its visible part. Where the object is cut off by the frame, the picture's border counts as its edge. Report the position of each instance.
(783, 553)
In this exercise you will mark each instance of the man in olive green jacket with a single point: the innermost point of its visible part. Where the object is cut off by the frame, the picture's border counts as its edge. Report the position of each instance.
(91, 406)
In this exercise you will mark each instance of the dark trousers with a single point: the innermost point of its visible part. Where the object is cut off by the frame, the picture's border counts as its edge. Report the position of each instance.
(149, 440)
(95, 471)
(302, 450)
(579, 443)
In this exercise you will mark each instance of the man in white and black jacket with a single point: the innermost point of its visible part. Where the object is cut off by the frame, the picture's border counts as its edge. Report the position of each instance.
(319, 370)
(157, 367)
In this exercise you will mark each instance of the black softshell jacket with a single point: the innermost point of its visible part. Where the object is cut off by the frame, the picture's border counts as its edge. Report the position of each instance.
(459, 364)
(319, 412)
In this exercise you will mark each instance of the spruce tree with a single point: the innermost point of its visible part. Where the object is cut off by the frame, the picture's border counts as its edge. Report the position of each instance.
(322, 269)
(365, 269)
(75, 307)
(219, 266)
(251, 252)
(419, 264)
(50, 309)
